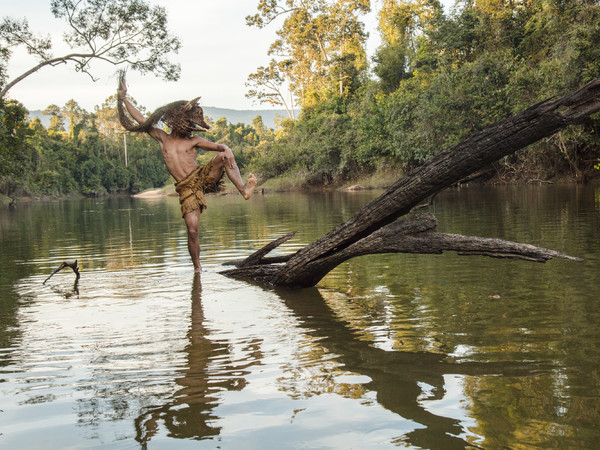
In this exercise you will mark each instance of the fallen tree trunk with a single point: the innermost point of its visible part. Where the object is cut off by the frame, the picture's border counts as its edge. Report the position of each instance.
(307, 266)
(416, 234)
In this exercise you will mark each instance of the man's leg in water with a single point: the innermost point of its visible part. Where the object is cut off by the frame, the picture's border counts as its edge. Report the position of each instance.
(192, 222)
(220, 163)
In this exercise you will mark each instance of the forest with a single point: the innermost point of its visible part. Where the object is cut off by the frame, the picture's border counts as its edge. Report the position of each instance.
(437, 77)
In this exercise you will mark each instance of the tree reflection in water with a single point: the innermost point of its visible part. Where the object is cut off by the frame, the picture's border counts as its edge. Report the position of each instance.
(396, 377)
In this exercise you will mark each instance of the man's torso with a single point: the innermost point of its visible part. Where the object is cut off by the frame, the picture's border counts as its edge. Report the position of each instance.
(179, 156)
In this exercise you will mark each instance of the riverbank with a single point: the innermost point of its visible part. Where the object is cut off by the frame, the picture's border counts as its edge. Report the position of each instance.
(295, 183)
(165, 191)
(381, 179)
(4, 200)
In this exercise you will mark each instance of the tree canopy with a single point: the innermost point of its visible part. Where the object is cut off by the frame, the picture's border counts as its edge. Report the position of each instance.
(118, 32)
(320, 49)
(439, 77)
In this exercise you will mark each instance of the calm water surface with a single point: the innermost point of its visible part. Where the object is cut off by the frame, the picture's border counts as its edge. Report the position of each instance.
(417, 351)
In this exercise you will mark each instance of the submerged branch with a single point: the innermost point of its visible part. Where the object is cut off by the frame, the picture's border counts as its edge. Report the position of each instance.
(73, 265)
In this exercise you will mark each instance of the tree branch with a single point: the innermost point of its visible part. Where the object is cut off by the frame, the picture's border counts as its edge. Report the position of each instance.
(256, 257)
(415, 234)
(73, 265)
(104, 30)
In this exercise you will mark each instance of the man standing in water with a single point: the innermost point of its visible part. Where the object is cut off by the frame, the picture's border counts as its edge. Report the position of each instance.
(179, 150)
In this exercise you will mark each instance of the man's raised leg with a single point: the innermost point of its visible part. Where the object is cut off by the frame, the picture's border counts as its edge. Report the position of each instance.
(192, 223)
(220, 163)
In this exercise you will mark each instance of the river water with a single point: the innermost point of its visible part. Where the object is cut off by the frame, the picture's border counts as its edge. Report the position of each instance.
(418, 351)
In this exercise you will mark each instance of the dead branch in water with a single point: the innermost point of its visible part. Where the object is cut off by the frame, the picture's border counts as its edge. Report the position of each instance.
(73, 265)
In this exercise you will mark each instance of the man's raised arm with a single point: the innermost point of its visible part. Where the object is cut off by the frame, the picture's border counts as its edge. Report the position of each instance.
(222, 148)
(122, 99)
(132, 110)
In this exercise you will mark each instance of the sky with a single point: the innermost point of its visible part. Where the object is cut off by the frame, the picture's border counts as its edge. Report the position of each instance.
(217, 54)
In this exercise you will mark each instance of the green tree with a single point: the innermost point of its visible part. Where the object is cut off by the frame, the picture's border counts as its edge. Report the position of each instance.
(16, 159)
(264, 134)
(76, 117)
(407, 29)
(320, 46)
(271, 85)
(107, 119)
(118, 32)
(57, 124)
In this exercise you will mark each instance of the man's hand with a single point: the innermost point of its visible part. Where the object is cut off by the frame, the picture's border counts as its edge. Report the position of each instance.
(228, 155)
(122, 90)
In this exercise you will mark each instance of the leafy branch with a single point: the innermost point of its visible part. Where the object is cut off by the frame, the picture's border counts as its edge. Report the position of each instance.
(117, 32)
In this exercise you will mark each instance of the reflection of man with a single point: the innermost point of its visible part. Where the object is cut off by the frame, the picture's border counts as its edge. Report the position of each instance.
(179, 149)
(188, 413)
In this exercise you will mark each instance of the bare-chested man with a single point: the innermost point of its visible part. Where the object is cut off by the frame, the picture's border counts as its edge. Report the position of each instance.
(179, 149)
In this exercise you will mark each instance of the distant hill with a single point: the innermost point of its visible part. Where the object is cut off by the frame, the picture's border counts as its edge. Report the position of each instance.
(245, 116)
(232, 115)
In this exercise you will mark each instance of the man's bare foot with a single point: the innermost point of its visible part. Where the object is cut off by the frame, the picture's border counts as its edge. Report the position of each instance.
(248, 189)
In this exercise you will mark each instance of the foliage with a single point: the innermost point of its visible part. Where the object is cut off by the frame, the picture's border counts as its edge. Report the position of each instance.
(14, 157)
(320, 50)
(130, 32)
(88, 158)
(84, 153)
(442, 77)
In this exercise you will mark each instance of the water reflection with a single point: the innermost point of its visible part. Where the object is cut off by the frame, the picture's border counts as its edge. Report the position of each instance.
(190, 411)
(393, 349)
(406, 383)
(66, 293)
(209, 369)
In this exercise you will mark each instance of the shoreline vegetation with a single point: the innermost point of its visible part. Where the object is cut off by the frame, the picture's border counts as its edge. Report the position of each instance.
(376, 181)
(436, 79)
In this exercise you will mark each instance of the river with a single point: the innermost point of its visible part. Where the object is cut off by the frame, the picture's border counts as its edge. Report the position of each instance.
(418, 351)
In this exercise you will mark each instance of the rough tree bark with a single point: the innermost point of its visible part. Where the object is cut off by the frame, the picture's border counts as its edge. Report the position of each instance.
(369, 230)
